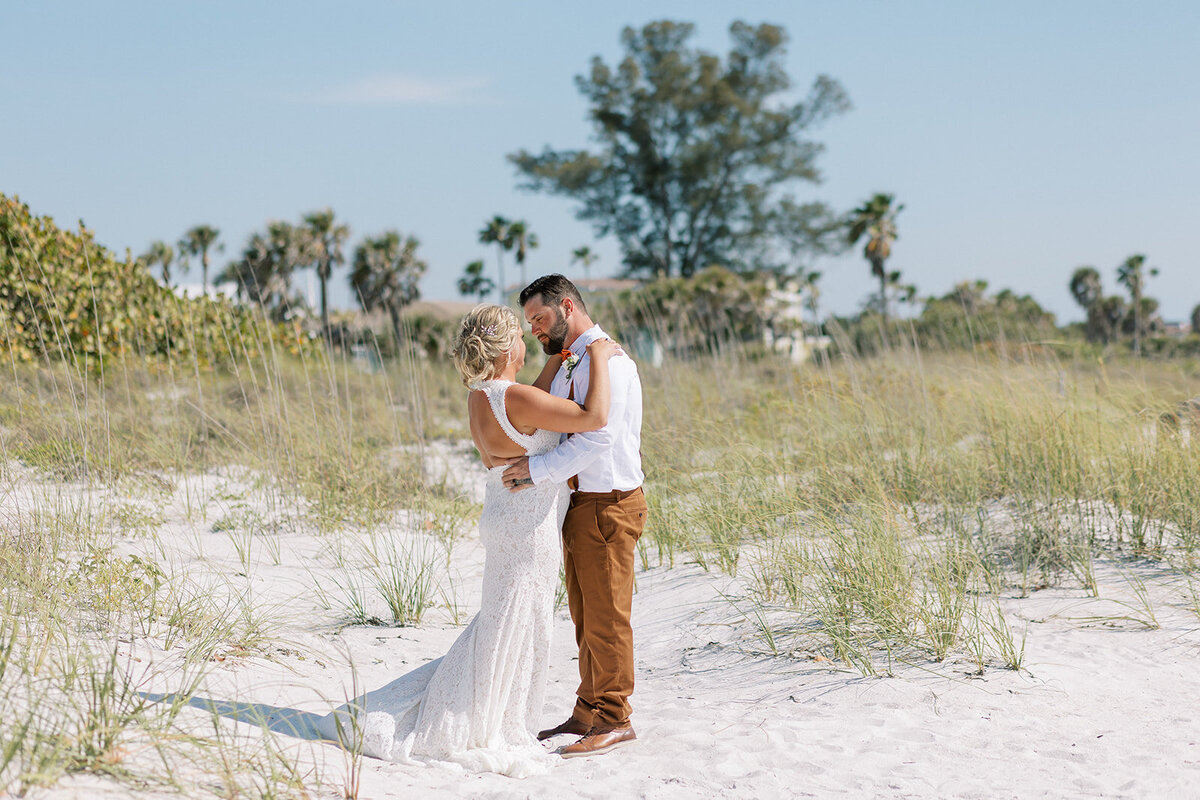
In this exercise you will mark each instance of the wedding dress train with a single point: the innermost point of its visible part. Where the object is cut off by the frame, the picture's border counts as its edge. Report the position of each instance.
(479, 705)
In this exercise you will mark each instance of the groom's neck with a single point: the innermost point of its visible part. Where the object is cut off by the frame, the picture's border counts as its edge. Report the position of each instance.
(576, 325)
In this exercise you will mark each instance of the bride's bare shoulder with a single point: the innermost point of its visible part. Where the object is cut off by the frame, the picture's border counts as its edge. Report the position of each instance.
(520, 406)
(522, 399)
(477, 398)
(521, 391)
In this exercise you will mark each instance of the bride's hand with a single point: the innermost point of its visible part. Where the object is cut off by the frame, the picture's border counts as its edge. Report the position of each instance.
(603, 349)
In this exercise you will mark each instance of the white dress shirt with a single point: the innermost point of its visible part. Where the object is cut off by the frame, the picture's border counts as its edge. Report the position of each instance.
(609, 458)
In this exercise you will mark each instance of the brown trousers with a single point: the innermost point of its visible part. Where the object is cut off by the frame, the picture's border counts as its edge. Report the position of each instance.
(599, 534)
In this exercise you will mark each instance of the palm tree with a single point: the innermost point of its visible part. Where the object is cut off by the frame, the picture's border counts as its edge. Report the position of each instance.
(245, 271)
(1085, 286)
(1109, 313)
(161, 253)
(1131, 276)
(385, 275)
(876, 219)
(1088, 292)
(264, 272)
(325, 239)
(521, 240)
(496, 231)
(584, 255)
(474, 281)
(289, 247)
(197, 242)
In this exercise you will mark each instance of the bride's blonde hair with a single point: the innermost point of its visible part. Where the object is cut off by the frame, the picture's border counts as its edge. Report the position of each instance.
(486, 333)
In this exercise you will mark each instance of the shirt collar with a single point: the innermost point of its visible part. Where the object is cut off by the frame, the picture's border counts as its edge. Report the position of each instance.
(579, 346)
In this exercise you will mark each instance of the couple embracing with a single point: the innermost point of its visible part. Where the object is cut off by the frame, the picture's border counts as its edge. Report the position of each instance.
(561, 453)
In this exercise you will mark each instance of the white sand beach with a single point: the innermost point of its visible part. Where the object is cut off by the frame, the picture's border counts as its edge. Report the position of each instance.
(1102, 707)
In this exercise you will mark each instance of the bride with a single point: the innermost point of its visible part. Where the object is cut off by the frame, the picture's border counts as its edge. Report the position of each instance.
(479, 705)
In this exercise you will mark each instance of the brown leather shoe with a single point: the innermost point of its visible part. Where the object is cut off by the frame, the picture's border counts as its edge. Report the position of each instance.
(571, 726)
(597, 742)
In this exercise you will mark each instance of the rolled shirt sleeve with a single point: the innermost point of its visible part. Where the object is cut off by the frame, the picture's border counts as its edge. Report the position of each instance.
(570, 457)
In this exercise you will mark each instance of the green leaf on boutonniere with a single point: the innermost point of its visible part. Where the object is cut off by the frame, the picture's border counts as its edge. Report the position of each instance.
(570, 362)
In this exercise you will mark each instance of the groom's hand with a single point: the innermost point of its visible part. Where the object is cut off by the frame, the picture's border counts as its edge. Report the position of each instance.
(516, 477)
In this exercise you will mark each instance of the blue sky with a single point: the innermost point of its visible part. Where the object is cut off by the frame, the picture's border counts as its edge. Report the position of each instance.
(1024, 138)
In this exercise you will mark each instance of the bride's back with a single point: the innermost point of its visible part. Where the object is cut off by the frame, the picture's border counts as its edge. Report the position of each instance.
(493, 443)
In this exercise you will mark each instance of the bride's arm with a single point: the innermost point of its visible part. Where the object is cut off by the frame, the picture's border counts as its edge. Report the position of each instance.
(531, 407)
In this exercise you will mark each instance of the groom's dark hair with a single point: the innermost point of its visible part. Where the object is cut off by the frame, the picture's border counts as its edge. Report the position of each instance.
(552, 288)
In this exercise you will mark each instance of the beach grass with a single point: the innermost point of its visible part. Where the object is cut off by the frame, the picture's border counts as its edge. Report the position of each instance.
(874, 513)
(893, 501)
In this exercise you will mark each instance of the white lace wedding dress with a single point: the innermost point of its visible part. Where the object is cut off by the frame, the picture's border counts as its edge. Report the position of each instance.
(480, 704)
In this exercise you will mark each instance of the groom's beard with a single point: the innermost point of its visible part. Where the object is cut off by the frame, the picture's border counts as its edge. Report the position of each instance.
(556, 337)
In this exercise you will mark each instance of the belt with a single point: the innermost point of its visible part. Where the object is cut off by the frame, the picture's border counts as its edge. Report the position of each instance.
(615, 494)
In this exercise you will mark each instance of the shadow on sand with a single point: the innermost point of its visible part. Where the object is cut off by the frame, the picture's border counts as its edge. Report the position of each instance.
(288, 721)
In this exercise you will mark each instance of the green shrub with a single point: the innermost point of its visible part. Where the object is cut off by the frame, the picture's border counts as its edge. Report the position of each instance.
(65, 297)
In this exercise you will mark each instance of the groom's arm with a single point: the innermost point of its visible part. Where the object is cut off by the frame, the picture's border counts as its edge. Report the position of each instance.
(578, 452)
(546, 376)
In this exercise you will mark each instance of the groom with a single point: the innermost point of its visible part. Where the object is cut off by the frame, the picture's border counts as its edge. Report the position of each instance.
(604, 519)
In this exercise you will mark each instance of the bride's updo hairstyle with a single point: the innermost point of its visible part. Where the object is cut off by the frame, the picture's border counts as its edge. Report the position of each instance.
(487, 332)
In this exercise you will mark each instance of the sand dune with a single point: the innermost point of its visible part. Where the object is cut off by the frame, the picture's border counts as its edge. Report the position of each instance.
(1103, 707)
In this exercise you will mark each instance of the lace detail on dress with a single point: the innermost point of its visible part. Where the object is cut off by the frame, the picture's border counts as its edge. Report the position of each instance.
(496, 392)
(480, 705)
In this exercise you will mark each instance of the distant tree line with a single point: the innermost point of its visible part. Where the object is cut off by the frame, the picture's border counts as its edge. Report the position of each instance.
(384, 276)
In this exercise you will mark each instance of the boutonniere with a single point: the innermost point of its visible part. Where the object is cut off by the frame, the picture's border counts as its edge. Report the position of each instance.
(570, 361)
